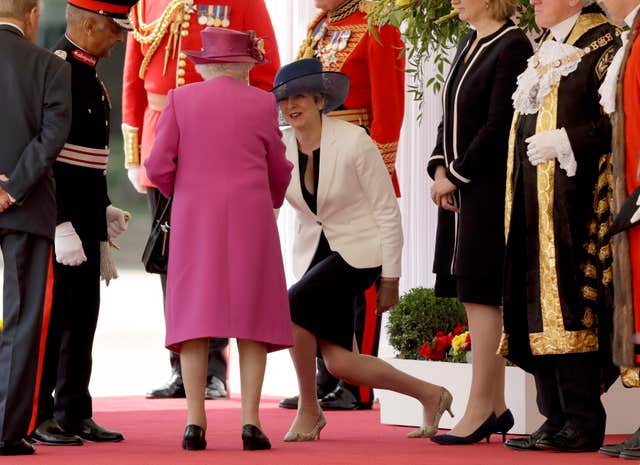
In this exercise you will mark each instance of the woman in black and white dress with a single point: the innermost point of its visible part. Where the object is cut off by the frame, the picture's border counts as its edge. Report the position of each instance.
(468, 166)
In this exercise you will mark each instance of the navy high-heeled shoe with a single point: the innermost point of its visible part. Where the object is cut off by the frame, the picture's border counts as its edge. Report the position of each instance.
(504, 423)
(484, 431)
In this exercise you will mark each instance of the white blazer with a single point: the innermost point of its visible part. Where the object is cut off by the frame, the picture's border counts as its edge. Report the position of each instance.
(357, 207)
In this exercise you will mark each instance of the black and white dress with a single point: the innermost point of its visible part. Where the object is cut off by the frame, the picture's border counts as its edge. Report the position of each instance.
(472, 146)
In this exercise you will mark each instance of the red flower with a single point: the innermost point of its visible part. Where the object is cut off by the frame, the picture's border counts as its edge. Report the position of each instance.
(425, 350)
(459, 329)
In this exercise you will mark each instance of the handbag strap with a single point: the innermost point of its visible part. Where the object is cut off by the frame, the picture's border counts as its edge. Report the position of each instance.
(163, 216)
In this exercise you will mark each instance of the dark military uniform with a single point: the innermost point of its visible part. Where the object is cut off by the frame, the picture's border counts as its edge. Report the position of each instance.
(81, 194)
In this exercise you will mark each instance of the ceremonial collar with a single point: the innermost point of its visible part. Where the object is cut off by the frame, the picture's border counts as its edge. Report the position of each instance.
(561, 30)
(13, 25)
(632, 16)
(81, 54)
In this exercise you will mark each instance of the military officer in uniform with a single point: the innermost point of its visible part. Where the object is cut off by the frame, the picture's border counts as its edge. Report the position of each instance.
(154, 64)
(557, 277)
(34, 123)
(86, 224)
(339, 36)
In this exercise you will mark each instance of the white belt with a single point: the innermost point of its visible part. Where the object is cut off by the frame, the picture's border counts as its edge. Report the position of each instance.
(84, 156)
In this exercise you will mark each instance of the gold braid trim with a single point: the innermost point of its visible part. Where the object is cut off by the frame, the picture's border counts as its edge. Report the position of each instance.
(308, 46)
(152, 34)
(630, 377)
(344, 11)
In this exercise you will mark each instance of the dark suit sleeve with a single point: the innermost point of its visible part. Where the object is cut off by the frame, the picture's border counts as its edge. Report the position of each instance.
(437, 156)
(41, 152)
(594, 138)
(482, 154)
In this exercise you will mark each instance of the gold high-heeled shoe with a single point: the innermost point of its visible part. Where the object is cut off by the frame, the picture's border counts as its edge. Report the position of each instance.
(313, 435)
(444, 404)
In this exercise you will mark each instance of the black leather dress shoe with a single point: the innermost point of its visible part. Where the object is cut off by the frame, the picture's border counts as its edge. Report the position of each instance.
(90, 431)
(289, 402)
(194, 438)
(254, 439)
(50, 433)
(529, 442)
(615, 450)
(21, 447)
(215, 389)
(174, 389)
(569, 439)
(340, 398)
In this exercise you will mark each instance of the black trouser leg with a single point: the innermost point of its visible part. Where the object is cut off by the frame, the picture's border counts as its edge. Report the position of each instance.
(548, 394)
(579, 385)
(26, 308)
(76, 304)
(217, 357)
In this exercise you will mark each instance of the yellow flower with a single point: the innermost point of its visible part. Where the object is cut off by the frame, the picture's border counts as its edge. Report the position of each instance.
(403, 3)
(0, 325)
(458, 340)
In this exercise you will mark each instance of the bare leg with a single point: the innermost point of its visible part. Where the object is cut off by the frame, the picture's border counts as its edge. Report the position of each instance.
(487, 379)
(253, 360)
(303, 354)
(366, 370)
(193, 358)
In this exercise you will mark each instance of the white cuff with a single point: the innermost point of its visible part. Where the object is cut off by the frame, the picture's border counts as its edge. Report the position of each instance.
(566, 158)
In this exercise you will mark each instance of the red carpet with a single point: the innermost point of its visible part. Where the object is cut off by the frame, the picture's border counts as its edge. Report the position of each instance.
(153, 430)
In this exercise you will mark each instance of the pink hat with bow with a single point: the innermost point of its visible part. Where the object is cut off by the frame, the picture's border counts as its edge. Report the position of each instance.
(221, 45)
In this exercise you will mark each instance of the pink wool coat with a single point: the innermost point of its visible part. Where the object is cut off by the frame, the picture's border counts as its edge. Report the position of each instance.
(218, 151)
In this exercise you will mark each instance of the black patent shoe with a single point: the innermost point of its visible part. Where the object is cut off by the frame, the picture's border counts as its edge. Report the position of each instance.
(89, 430)
(570, 439)
(340, 398)
(484, 431)
(19, 447)
(504, 423)
(50, 433)
(174, 389)
(215, 389)
(615, 450)
(254, 439)
(194, 438)
(529, 442)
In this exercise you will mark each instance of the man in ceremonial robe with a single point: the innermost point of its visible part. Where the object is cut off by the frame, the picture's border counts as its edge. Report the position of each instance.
(622, 92)
(154, 64)
(339, 36)
(558, 262)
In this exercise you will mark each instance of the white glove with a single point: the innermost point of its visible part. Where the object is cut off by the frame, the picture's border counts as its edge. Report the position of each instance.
(68, 245)
(117, 222)
(134, 177)
(549, 145)
(636, 215)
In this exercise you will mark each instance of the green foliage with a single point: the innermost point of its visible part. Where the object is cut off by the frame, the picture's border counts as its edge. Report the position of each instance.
(428, 35)
(418, 317)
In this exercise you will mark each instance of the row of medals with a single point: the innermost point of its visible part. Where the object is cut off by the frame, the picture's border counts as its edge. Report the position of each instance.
(337, 43)
(214, 15)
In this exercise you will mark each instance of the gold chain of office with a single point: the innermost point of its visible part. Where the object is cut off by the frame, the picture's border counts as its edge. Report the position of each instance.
(593, 46)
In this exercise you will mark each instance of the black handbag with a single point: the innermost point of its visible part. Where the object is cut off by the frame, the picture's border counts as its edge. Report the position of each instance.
(156, 252)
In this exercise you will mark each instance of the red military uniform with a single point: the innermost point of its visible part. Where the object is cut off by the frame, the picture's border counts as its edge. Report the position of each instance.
(342, 41)
(631, 100)
(155, 64)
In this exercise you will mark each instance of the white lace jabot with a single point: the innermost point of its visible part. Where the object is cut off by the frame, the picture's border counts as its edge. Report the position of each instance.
(546, 67)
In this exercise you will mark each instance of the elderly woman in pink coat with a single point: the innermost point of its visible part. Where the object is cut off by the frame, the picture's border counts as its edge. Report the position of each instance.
(218, 152)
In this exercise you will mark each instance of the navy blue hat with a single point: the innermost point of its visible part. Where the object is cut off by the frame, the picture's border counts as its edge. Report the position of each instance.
(307, 77)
